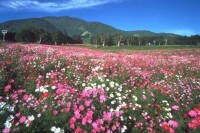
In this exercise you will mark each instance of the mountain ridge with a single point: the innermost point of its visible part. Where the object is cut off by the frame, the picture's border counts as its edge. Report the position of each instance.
(73, 26)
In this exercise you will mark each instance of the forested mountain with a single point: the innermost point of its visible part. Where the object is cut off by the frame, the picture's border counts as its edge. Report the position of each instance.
(72, 26)
(16, 25)
(69, 30)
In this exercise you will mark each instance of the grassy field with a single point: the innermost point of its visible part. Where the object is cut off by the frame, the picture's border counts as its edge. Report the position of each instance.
(162, 47)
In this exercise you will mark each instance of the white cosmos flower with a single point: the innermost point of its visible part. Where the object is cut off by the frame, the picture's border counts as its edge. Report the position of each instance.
(118, 108)
(2, 104)
(164, 101)
(83, 84)
(31, 118)
(111, 95)
(53, 87)
(120, 89)
(63, 70)
(119, 98)
(113, 102)
(7, 124)
(123, 129)
(134, 97)
(169, 115)
(167, 109)
(57, 130)
(42, 88)
(124, 104)
(53, 129)
(37, 90)
(138, 105)
(116, 84)
(122, 118)
(45, 90)
(112, 83)
(103, 85)
(118, 94)
(62, 131)
(46, 86)
(107, 89)
(38, 115)
(99, 86)
(111, 109)
(10, 118)
(10, 108)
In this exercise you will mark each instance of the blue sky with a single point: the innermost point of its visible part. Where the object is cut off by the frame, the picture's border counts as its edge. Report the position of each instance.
(174, 16)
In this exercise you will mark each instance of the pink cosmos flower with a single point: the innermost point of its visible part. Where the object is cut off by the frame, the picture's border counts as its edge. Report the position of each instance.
(171, 130)
(152, 94)
(18, 114)
(87, 103)
(69, 104)
(12, 81)
(22, 119)
(102, 98)
(59, 102)
(60, 86)
(72, 122)
(7, 88)
(55, 112)
(14, 96)
(77, 114)
(144, 97)
(78, 130)
(89, 121)
(173, 123)
(192, 113)
(83, 122)
(81, 108)
(25, 97)
(67, 109)
(195, 123)
(175, 107)
(107, 116)
(6, 130)
(95, 126)
(192, 126)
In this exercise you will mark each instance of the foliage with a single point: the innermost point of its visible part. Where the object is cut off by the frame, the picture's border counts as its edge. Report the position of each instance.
(133, 40)
(31, 35)
(28, 35)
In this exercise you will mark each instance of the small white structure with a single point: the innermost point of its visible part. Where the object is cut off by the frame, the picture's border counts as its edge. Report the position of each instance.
(4, 33)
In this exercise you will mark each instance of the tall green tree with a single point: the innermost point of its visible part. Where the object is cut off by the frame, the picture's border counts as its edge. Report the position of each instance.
(43, 36)
(102, 38)
(27, 34)
(58, 38)
(117, 39)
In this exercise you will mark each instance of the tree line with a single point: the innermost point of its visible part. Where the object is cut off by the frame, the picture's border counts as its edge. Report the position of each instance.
(136, 40)
(41, 36)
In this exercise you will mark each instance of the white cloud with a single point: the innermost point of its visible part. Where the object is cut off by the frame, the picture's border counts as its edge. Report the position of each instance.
(185, 32)
(37, 5)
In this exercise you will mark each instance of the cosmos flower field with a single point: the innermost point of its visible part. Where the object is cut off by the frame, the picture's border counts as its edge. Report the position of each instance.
(69, 89)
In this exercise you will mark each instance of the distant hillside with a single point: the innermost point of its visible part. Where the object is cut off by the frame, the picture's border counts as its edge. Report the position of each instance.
(73, 26)
(16, 25)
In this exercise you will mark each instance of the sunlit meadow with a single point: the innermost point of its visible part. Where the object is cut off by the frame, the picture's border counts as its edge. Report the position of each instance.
(69, 89)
